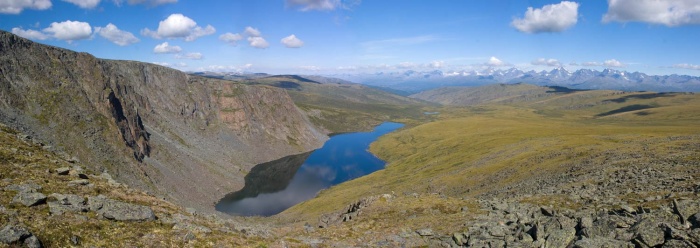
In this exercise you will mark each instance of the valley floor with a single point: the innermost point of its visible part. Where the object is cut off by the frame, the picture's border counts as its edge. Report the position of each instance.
(534, 174)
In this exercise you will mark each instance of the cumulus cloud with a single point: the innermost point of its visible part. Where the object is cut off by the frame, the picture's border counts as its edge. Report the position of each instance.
(306, 5)
(178, 26)
(550, 18)
(613, 63)
(231, 38)
(667, 12)
(30, 34)
(253, 32)
(116, 36)
(69, 30)
(292, 42)
(166, 48)
(258, 42)
(547, 62)
(189, 56)
(436, 64)
(17, 6)
(85, 4)
(147, 2)
(687, 66)
(493, 61)
(607, 63)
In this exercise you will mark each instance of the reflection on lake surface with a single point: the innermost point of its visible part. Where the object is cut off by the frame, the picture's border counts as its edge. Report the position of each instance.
(274, 186)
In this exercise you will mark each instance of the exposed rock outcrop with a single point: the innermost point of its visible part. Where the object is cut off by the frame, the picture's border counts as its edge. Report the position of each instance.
(18, 235)
(117, 210)
(149, 126)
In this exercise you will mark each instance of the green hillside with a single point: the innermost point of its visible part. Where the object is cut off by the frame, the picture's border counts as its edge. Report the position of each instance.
(340, 106)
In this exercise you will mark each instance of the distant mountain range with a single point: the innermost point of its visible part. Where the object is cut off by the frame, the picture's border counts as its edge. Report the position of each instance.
(411, 81)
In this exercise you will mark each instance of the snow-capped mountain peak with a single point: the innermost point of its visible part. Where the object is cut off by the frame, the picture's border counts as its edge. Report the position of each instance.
(580, 79)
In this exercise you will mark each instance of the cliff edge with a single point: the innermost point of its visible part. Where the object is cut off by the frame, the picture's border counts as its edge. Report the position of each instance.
(184, 137)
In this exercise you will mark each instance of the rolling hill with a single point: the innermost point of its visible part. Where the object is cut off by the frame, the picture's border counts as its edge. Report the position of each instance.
(340, 106)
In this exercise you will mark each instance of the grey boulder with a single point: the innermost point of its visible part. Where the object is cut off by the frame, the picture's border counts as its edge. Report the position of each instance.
(121, 211)
(29, 199)
(17, 235)
(61, 203)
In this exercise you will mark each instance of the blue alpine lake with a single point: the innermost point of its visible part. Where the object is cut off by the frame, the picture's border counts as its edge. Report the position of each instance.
(272, 187)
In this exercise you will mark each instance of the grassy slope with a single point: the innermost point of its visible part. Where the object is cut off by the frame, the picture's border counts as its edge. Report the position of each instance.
(346, 107)
(494, 93)
(488, 148)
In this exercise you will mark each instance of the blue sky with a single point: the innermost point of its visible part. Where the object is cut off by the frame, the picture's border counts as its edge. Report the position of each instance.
(337, 36)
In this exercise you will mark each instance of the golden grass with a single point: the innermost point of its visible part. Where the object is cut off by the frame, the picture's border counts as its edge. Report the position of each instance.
(475, 150)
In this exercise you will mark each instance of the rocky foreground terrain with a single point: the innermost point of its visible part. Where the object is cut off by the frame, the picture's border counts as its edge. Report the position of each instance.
(50, 200)
(631, 200)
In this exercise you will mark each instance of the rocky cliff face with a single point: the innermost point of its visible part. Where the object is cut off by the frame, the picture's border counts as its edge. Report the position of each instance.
(190, 138)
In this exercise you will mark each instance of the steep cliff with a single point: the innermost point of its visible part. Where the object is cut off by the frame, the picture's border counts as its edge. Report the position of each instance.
(187, 137)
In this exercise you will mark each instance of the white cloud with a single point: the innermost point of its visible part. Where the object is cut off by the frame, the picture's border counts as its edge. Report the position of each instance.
(406, 65)
(252, 32)
(547, 62)
(113, 34)
(437, 64)
(310, 68)
(85, 4)
(687, 66)
(306, 5)
(493, 61)
(148, 2)
(162, 63)
(178, 26)
(199, 32)
(592, 64)
(348, 68)
(231, 38)
(189, 56)
(30, 34)
(550, 18)
(166, 48)
(225, 68)
(667, 12)
(17, 6)
(613, 63)
(607, 63)
(69, 30)
(258, 42)
(292, 42)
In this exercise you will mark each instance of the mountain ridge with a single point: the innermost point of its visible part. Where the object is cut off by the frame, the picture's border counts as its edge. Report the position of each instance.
(607, 79)
(150, 126)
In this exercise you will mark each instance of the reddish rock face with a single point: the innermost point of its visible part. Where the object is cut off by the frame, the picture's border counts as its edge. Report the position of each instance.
(152, 127)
